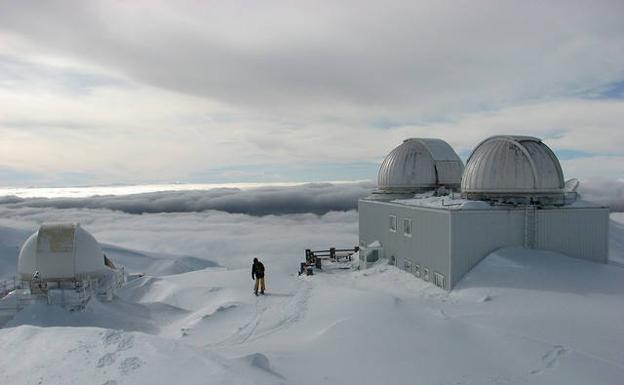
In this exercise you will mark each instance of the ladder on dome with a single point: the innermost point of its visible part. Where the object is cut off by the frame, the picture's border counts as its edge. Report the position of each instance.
(530, 226)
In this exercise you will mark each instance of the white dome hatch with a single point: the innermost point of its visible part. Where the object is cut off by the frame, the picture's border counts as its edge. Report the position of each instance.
(60, 252)
(420, 164)
(512, 166)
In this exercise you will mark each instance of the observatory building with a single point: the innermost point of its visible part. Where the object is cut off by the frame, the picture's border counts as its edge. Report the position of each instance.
(436, 219)
(60, 264)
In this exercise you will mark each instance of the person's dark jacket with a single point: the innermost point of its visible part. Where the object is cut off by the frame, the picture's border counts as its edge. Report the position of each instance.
(257, 270)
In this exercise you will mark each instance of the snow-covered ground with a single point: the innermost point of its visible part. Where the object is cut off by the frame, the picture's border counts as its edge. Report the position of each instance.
(520, 317)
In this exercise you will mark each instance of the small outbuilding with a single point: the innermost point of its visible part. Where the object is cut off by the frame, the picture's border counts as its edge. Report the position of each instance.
(512, 194)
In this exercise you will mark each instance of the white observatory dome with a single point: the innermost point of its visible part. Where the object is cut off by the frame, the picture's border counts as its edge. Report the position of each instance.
(60, 252)
(508, 166)
(420, 164)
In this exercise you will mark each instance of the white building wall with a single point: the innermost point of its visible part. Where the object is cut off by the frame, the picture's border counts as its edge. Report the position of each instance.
(577, 232)
(373, 224)
(428, 247)
(451, 242)
(477, 233)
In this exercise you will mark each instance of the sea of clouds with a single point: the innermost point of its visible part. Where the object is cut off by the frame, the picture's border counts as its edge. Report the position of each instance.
(316, 198)
(226, 226)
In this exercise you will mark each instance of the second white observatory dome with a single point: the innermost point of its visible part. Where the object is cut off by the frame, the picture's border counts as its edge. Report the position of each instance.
(512, 166)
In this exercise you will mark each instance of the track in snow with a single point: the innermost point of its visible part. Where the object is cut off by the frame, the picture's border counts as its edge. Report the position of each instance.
(291, 311)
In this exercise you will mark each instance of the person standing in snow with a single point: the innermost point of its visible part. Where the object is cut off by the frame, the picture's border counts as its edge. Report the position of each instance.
(257, 273)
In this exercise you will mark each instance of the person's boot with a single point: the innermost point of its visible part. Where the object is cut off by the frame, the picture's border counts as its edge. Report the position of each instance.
(256, 293)
(262, 292)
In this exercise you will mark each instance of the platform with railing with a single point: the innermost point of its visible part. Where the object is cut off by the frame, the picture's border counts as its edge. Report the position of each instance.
(315, 258)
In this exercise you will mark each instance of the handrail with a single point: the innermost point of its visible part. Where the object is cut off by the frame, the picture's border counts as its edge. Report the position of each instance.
(8, 285)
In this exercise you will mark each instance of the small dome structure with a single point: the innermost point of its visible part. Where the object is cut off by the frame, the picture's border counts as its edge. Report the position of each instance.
(420, 164)
(512, 166)
(60, 252)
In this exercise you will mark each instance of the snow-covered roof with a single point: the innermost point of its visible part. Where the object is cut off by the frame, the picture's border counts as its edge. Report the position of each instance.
(60, 251)
(420, 164)
(456, 202)
(505, 164)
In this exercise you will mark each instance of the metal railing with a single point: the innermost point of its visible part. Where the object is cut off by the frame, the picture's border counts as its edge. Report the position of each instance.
(8, 285)
(315, 258)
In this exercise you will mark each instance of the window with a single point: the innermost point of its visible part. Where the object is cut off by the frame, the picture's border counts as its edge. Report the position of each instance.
(393, 223)
(417, 270)
(438, 279)
(407, 227)
(426, 273)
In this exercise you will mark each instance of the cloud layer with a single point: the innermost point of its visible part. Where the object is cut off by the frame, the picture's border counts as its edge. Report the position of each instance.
(188, 224)
(309, 198)
(312, 198)
(231, 240)
(604, 191)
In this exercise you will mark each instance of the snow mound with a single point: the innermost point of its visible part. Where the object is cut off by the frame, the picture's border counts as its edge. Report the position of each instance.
(103, 356)
(258, 360)
(516, 268)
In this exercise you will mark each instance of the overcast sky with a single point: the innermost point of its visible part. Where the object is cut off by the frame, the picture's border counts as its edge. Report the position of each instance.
(97, 92)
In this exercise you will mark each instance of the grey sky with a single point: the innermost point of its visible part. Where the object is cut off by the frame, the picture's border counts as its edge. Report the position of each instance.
(148, 91)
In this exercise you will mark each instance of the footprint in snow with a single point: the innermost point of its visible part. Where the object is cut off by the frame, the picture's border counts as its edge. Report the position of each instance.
(111, 337)
(551, 359)
(106, 360)
(130, 364)
(123, 342)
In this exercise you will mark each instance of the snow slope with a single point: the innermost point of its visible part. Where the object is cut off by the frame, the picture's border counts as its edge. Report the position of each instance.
(87, 355)
(520, 317)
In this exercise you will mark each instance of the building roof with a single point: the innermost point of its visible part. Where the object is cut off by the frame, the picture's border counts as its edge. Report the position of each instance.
(420, 164)
(512, 165)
